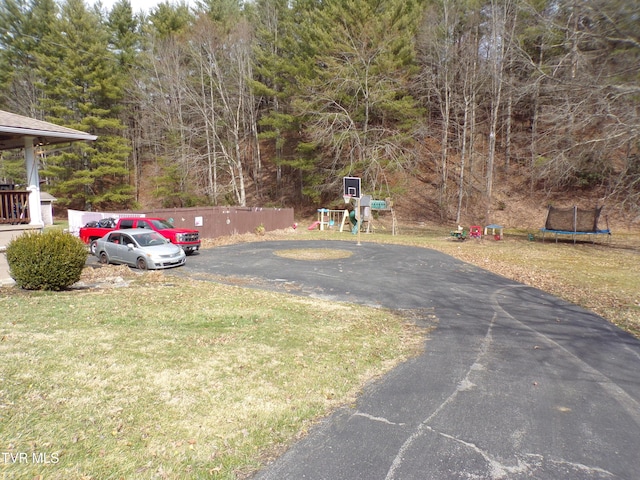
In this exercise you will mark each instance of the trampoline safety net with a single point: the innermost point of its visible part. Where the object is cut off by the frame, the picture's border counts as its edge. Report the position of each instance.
(573, 219)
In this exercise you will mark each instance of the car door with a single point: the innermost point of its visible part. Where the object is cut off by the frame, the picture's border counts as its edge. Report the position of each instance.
(113, 246)
(128, 254)
(125, 224)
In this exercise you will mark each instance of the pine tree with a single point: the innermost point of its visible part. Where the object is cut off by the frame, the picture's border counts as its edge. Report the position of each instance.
(222, 11)
(23, 25)
(167, 19)
(129, 44)
(273, 81)
(83, 87)
(126, 39)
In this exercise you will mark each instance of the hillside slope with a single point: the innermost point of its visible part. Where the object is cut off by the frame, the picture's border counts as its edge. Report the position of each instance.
(515, 205)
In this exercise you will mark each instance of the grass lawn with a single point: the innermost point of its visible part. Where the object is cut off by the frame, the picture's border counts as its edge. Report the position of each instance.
(173, 380)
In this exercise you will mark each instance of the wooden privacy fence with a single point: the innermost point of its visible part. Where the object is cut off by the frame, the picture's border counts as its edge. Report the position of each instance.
(215, 222)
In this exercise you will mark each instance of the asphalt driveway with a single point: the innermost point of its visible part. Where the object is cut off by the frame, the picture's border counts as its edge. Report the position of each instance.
(513, 383)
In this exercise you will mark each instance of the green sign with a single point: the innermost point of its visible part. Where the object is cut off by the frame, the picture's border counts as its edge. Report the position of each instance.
(378, 205)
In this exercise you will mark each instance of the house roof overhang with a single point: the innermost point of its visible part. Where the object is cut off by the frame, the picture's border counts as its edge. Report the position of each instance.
(14, 128)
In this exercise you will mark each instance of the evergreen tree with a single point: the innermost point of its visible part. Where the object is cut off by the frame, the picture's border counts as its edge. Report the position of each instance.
(129, 44)
(275, 82)
(126, 39)
(222, 11)
(83, 87)
(166, 19)
(23, 26)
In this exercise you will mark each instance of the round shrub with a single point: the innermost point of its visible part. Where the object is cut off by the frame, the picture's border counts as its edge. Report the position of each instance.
(46, 261)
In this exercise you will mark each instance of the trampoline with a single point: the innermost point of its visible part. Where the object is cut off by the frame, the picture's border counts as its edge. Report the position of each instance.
(574, 221)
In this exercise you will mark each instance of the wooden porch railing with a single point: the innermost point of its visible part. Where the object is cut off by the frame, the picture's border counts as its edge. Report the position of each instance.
(14, 207)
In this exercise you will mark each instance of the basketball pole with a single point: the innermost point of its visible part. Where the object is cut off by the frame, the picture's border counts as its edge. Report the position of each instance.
(359, 222)
(351, 188)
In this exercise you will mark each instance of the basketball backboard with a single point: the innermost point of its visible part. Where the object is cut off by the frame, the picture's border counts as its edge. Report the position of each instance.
(351, 186)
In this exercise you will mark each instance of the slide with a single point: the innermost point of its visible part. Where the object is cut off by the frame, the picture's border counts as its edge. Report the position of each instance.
(313, 226)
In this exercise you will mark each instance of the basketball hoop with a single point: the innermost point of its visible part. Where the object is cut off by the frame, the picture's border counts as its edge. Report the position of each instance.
(347, 199)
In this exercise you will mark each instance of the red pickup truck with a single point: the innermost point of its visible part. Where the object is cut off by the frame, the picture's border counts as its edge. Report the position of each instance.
(188, 239)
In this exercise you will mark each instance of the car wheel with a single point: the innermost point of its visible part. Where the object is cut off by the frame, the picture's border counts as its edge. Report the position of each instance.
(93, 246)
(104, 259)
(141, 263)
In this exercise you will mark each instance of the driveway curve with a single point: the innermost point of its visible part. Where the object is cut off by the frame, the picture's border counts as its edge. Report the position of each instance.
(513, 383)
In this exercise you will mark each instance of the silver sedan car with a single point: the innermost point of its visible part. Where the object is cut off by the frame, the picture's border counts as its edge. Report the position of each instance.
(139, 247)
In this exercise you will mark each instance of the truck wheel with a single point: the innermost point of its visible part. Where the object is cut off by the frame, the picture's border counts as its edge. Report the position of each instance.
(141, 263)
(104, 258)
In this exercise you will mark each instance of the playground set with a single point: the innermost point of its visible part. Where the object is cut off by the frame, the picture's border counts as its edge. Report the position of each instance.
(349, 218)
(356, 217)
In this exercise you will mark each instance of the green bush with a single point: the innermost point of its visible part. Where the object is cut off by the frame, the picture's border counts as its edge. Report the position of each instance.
(46, 261)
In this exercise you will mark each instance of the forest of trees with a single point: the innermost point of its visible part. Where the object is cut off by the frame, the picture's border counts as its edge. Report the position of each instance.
(272, 102)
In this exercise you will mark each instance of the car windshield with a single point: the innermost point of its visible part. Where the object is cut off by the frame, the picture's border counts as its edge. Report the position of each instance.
(148, 239)
(161, 224)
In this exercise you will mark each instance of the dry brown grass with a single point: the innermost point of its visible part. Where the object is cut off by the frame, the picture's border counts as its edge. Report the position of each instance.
(603, 278)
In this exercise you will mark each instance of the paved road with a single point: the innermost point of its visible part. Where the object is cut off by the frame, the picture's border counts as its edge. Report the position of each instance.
(513, 383)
